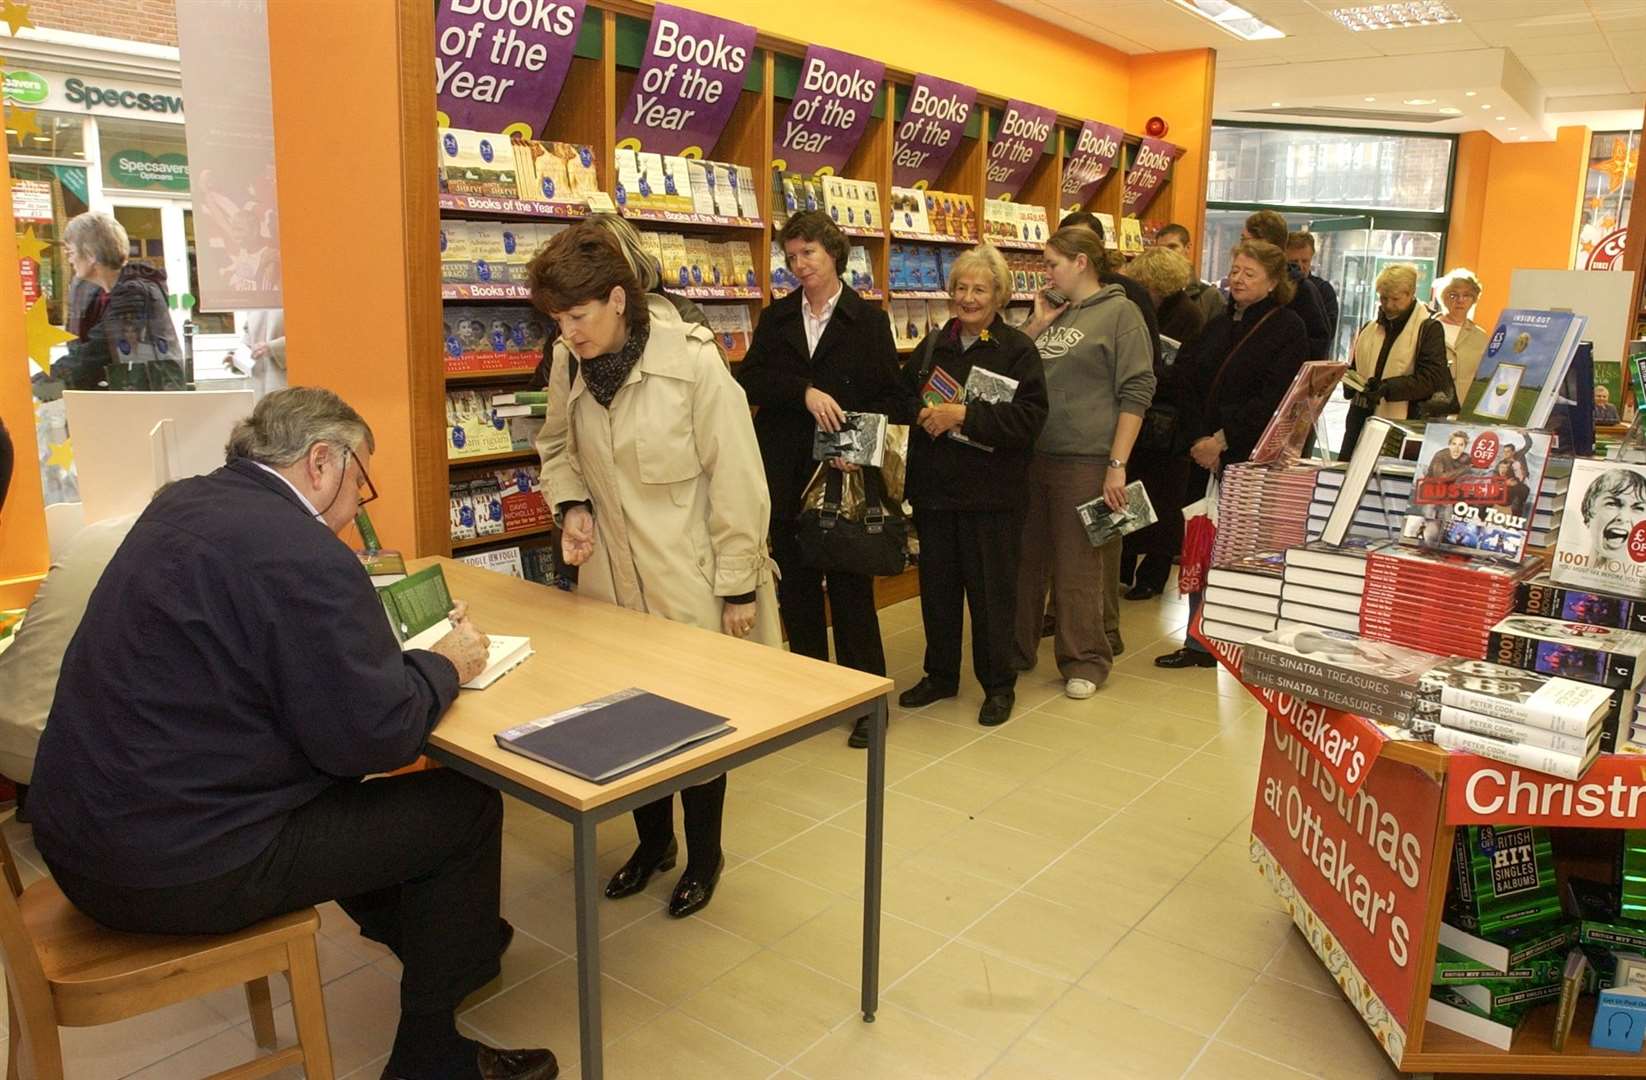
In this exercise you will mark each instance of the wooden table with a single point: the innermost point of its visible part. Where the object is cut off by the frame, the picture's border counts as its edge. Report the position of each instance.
(586, 649)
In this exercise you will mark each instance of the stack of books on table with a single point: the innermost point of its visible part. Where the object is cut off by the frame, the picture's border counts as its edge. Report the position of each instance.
(1445, 603)
(1602, 655)
(1324, 585)
(1341, 670)
(1380, 506)
(1550, 508)
(1552, 725)
(1262, 508)
(1242, 600)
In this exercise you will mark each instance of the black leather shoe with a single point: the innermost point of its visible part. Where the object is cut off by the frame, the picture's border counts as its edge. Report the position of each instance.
(1116, 646)
(507, 1065)
(997, 709)
(1186, 657)
(693, 894)
(924, 693)
(637, 871)
(859, 738)
(1141, 592)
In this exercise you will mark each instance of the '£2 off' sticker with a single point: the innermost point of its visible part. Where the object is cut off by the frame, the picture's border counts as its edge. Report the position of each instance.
(1484, 452)
(1637, 542)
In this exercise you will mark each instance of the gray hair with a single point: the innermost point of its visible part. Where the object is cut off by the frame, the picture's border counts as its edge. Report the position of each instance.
(628, 242)
(99, 237)
(986, 262)
(287, 422)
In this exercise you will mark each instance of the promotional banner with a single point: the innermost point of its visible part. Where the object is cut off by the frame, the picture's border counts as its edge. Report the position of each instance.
(1020, 142)
(1354, 872)
(1095, 152)
(1344, 745)
(230, 139)
(501, 64)
(933, 123)
(830, 107)
(1611, 795)
(687, 84)
(1149, 171)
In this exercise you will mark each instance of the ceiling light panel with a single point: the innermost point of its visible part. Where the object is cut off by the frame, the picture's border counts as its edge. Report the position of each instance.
(1395, 16)
(1231, 19)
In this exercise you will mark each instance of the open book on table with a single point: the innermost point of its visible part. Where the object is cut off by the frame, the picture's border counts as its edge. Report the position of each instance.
(417, 607)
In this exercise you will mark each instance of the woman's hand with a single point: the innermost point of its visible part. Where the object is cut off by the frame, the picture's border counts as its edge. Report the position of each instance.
(1044, 310)
(1207, 452)
(1114, 487)
(577, 536)
(843, 465)
(824, 409)
(934, 420)
(737, 619)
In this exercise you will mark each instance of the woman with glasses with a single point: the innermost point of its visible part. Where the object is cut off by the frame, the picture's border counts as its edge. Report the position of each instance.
(650, 462)
(1465, 340)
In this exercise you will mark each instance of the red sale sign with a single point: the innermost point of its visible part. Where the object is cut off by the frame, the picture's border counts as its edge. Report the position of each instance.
(1354, 870)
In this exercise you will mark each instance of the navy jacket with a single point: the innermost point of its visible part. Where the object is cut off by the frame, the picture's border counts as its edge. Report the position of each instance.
(233, 663)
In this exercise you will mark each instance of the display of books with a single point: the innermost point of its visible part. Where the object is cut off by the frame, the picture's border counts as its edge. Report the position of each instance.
(1104, 526)
(861, 440)
(1475, 489)
(1342, 661)
(496, 337)
(1516, 696)
(1602, 542)
(1525, 362)
(1262, 508)
(1541, 596)
(1594, 654)
(1295, 418)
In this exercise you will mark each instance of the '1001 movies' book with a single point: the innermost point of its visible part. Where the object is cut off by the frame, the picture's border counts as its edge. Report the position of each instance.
(1602, 542)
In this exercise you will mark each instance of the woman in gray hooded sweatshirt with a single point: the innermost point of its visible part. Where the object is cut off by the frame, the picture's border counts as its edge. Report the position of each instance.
(1100, 379)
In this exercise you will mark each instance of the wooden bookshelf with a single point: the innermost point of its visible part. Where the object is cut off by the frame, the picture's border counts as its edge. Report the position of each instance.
(501, 538)
(491, 459)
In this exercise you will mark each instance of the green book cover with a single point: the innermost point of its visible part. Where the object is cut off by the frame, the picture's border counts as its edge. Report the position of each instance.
(417, 602)
(368, 532)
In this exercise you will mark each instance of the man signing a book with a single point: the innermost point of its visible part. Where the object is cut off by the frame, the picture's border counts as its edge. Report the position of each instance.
(232, 680)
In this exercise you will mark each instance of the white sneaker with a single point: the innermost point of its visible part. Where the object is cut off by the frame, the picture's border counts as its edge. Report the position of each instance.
(1079, 689)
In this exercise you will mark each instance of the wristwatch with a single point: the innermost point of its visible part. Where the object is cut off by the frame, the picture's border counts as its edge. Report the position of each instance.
(1116, 463)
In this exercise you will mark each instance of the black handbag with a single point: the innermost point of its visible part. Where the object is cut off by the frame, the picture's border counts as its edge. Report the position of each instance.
(865, 538)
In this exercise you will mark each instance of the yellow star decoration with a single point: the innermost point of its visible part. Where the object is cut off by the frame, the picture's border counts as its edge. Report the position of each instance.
(15, 16)
(62, 454)
(42, 335)
(30, 246)
(1621, 165)
(25, 122)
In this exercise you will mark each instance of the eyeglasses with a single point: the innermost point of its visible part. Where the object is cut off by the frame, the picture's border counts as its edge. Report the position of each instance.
(365, 486)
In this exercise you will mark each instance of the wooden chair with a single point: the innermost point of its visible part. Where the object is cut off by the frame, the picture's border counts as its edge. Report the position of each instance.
(63, 969)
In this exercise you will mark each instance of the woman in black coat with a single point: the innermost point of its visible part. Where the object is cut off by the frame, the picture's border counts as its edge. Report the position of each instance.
(818, 353)
(968, 481)
(1240, 369)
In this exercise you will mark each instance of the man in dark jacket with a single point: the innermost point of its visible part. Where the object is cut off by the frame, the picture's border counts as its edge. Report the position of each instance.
(232, 679)
(1300, 253)
(1270, 226)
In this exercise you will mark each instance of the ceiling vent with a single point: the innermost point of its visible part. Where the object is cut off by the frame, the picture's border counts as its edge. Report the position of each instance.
(1387, 116)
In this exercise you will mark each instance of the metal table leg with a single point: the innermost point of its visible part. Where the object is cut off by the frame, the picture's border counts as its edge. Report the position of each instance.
(875, 830)
(588, 946)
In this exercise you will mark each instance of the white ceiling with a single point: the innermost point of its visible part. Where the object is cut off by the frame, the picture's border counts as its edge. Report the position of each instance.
(1538, 64)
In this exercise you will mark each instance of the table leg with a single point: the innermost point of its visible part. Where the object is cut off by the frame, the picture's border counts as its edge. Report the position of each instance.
(875, 830)
(587, 889)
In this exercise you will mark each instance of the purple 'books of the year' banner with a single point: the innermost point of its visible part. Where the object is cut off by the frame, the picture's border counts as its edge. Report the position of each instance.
(688, 83)
(491, 73)
(830, 109)
(933, 123)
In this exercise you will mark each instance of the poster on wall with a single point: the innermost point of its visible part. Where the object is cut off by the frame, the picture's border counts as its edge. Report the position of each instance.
(1017, 147)
(1149, 171)
(688, 84)
(230, 134)
(31, 200)
(831, 106)
(1096, 150)
(930, 130)
(501, 65)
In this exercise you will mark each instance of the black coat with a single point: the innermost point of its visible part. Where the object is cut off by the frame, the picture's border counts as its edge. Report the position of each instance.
(855, 363)
(1181, 318)
(1311, 309)
(946, 474)
(234, 662)
(1257, 364)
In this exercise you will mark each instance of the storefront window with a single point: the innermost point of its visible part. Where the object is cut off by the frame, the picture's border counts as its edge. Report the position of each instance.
(44, 198)
(1608, 186)
(144, 157)
(1328, 167)
(58, 135)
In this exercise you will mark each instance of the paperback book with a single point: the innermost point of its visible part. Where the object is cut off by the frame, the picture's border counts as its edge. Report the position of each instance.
(1104, 526)
(861, 440)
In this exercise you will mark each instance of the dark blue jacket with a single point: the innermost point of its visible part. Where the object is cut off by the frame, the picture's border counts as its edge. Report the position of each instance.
(233, 663)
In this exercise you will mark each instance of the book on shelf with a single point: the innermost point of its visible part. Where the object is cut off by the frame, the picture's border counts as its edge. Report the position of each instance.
(909, 211)
(1241, 617)
(611, 736)
(462, 513)
(1104, 525)
(476, 163)
(1347, 603)
(1348, 585)
(1455, 968)
(1525, 362)
(1325, 691)
(1131, 235)
(732, 328)
(677, 185)
(1475, 490)
(1573, 977)
(1288, 430)
(1341, 560)
(726, 203)
(1309, 615)
(471, 429)
(1221, 593)
(1231, 632)
(1620, 1020)
(1518, 696)
(524, 505)
(1264, 580)
(1602, 541)
(1510, 731)
(1362, 465)
(1536, 758)
(487, 498)
(498, 560)
(859, 269)
(861, 440)
(1454, 1012)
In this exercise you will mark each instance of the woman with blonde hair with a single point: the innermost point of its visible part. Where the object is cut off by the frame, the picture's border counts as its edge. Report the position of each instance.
(1399, 357)
(1459, 291)
(968, 467)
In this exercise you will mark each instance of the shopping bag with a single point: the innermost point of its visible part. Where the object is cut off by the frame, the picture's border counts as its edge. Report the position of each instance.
(1199, 530)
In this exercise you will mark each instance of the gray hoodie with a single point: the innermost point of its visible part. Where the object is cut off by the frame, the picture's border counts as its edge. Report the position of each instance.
(1099, 364)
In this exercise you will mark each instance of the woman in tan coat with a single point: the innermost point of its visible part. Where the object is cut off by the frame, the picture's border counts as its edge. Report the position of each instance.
(650, 461)
(1465, 340)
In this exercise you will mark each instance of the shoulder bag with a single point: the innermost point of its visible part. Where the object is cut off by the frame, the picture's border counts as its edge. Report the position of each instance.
(848, 525)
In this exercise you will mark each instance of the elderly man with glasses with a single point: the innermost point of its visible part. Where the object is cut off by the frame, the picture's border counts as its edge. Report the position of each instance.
(231, 681)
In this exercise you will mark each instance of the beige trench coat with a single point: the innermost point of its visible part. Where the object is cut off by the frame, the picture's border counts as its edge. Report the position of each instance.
(674, 473)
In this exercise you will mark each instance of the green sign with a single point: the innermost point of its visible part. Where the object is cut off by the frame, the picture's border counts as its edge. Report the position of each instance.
(140, 169)
(25, 88)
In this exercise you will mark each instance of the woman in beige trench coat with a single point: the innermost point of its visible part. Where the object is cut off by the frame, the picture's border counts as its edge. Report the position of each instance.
(650, 461)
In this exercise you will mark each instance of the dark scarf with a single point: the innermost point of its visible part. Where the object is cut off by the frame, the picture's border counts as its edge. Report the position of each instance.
(605, 374)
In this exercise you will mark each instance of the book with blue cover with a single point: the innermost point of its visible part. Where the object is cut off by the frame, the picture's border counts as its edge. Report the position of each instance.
(612, 736)
(1525, 363)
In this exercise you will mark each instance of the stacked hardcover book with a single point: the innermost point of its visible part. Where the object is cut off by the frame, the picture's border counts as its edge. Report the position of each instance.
(1341, 670)
(1379, 508)
(1323, 585)
(1441, 602)
(1262, 508)
(1242, 599)
(1518, 717)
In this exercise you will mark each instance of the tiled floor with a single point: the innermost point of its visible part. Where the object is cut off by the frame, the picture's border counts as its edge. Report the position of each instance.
(1066, 896)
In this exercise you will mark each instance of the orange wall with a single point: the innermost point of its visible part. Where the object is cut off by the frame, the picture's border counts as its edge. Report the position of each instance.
(1177, 87)
(24, 555)
(349, 333)
(1529, 202)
